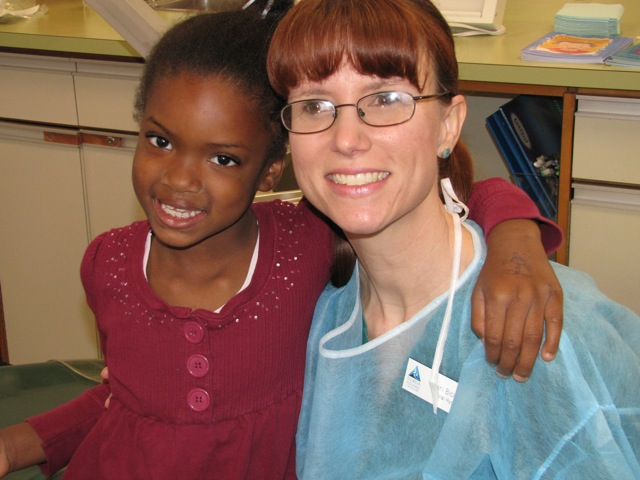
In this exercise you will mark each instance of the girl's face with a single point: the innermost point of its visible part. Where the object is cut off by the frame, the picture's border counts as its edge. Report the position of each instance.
(366, 178)
(200, 159)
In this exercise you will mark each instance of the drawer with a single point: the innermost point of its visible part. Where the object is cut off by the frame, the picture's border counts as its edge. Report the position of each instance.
(607, 140)
(37, 89)
(105, 93)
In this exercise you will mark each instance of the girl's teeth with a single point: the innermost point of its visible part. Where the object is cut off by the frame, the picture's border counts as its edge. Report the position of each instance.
(359, 178)
(179, 212)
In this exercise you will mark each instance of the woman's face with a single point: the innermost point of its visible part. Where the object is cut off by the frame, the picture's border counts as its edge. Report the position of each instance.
(367, 178)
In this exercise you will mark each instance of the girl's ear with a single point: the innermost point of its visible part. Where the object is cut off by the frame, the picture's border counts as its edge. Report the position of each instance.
(453, 119)
(271, 175)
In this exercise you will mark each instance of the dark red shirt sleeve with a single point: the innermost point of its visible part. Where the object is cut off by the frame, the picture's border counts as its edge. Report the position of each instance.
(63, 428)
(495, 200)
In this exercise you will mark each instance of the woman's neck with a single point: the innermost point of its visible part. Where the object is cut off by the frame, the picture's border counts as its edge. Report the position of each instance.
(405, 267)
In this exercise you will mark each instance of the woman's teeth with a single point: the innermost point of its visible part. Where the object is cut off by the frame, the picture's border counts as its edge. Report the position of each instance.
(179, 212)
(359, 178)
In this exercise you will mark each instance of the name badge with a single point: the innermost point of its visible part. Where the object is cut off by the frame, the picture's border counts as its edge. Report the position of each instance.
(416, 381)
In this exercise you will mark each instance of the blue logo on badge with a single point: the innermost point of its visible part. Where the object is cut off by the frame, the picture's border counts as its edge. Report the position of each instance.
(415, 374)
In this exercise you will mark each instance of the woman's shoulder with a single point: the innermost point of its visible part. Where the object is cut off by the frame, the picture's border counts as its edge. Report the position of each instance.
(583, 298)
(592, 319)
(335, 301)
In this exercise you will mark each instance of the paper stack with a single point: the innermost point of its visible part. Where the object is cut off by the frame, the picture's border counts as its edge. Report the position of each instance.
(562, 47)
(589, 19)
(628, 57)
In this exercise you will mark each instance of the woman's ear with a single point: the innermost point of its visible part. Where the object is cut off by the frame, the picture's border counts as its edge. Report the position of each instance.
(454, 115)
(271, 175)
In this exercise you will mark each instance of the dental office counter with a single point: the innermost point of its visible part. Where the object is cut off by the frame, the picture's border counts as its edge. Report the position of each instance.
(69, 74)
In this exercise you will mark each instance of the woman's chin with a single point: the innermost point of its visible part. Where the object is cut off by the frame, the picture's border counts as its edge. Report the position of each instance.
(360, 226)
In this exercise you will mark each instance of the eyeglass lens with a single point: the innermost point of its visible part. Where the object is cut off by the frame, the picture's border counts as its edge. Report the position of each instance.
(378, 109)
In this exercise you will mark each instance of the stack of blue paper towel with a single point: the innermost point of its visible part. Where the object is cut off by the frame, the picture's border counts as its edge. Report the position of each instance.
(589, 19)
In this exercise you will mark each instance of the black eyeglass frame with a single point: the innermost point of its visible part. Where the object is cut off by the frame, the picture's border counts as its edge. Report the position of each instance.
(416, 98)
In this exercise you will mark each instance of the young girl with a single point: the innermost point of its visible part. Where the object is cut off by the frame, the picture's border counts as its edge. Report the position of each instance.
(204, 309)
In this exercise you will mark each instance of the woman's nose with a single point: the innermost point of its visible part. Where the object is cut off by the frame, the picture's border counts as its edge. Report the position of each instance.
(350, 133)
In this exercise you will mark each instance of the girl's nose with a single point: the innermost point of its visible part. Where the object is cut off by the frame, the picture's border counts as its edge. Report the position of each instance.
(182, 174)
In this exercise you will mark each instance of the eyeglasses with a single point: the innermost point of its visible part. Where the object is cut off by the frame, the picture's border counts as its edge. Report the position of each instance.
(381, 109)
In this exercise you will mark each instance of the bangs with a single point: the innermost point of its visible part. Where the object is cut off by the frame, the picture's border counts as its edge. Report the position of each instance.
(377, 37)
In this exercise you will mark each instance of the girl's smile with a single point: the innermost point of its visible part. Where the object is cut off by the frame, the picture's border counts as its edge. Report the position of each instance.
(176, 217)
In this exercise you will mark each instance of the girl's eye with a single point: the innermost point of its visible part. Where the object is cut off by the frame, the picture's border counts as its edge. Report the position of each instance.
(224, 160)
(159, 141)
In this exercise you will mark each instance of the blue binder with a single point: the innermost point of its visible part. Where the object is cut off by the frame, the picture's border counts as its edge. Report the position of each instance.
(523, 129)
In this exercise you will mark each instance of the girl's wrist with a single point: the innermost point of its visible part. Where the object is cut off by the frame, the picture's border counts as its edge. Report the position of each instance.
(522, 228)
(23, 446)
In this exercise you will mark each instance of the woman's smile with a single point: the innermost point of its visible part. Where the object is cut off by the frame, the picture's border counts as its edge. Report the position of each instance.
(358, 179)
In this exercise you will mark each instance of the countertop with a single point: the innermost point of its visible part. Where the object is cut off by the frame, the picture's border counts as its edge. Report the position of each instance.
(496, 58)
(71, 28)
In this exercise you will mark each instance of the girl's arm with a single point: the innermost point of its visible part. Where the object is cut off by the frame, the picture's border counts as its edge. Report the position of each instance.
(517, 295)
(62, 429)
(50, 439)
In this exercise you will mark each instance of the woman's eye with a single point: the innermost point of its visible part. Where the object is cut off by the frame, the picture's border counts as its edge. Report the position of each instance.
(159, 142)
(315, 108)
(385, 99)
(224, 160)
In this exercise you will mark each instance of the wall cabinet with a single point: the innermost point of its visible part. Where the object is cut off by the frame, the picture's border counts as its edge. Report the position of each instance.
(65, 178)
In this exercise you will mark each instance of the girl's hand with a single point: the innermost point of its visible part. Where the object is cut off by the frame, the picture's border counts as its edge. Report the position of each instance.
(516, 296)
(4, 456)
(105, 376)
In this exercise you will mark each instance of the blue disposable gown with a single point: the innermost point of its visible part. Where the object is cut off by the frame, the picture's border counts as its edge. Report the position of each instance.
(577, 417)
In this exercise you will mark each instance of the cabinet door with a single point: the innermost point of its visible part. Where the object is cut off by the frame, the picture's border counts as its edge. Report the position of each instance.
(107, 164)
(43, 236)
(605, 230)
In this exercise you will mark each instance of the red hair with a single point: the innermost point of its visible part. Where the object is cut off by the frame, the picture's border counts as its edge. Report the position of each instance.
(385, 38)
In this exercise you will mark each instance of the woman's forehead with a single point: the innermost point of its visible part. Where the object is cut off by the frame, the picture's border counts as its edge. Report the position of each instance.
(349, 73)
